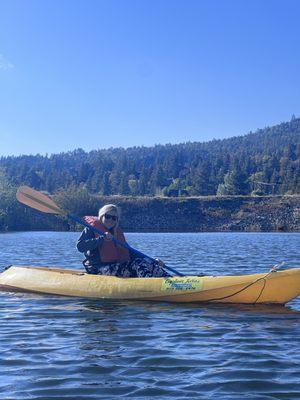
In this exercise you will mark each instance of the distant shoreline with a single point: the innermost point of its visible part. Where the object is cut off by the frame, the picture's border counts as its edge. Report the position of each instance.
(209, 214)
(181, 214)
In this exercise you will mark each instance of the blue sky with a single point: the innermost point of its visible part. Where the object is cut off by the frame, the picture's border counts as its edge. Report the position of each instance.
(98, 74)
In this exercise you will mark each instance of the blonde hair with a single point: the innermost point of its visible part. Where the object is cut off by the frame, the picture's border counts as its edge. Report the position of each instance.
(106, 209)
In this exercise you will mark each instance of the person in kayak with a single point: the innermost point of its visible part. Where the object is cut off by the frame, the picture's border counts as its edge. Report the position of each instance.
(105, 257)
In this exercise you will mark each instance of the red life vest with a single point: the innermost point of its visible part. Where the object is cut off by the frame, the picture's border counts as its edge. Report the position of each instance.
(109, 251)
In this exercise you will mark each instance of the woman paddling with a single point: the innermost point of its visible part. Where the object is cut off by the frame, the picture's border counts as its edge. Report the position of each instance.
(105, 257)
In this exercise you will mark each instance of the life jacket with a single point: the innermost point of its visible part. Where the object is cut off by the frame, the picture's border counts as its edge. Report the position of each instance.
(109, 251)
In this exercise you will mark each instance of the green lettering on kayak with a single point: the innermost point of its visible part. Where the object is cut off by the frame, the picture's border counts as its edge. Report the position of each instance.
(183, 284)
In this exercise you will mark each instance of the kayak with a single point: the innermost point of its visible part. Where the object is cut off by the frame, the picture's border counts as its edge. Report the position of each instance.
(273, 287)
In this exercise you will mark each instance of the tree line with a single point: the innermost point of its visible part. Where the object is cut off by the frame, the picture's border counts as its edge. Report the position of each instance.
(265, 162)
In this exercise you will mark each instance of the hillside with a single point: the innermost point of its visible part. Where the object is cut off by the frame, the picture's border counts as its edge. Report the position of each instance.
(261, 163)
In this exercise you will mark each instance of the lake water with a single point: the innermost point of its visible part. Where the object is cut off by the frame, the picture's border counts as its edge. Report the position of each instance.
(54, 347)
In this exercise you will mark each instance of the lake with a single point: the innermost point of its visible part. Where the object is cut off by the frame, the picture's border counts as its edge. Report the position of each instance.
(54, 347)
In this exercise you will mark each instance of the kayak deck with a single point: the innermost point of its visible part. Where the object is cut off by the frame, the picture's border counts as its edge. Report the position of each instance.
(270, 288)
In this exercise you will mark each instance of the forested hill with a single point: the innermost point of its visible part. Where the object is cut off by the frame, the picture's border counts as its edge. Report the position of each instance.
(260, 163)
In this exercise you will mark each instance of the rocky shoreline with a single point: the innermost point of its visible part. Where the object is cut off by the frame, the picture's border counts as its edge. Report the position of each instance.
(216, 214)
(180, 214)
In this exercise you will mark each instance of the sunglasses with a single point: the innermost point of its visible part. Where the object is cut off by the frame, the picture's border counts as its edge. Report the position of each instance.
(113, 217)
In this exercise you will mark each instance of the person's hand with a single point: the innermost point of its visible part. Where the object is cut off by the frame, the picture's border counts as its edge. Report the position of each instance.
(160, 262)
(108, 236)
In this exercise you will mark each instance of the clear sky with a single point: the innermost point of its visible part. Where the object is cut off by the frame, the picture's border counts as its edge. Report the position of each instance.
(97, 74)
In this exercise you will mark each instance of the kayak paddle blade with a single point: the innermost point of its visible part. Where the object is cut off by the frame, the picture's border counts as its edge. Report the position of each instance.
(37, 200)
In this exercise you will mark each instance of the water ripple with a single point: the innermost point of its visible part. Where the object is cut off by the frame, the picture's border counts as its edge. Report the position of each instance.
(67, 348)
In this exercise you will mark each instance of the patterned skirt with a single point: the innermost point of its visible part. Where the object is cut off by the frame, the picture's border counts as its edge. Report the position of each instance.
(137, 268)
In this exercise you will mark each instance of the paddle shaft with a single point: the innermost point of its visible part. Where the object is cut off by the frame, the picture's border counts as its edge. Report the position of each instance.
(126, 245)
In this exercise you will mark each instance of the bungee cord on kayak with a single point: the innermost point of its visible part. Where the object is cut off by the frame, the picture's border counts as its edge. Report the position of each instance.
(275, 268)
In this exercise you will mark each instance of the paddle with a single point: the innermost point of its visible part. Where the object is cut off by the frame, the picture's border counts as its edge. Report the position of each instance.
(43, 203)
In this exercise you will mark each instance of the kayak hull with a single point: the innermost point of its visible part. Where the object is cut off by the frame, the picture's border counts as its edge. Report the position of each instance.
(268, 288)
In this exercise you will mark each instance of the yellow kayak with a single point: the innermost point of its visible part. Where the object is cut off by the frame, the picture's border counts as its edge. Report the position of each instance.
(271, 287)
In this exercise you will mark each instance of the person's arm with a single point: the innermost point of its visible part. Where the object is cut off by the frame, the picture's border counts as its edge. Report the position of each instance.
(88, 241)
